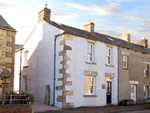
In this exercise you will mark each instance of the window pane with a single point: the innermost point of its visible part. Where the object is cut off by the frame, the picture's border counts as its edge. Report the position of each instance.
(90, 57)
(108, 51)
(91, 89)
(89, 48)
(108, 60)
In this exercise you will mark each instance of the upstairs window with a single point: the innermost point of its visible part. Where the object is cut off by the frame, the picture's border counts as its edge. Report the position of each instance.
(108, 56)
(90, 52)
(125, 61)
(146, 70)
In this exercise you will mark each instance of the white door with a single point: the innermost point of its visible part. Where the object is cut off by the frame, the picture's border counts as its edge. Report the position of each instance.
(133, 93)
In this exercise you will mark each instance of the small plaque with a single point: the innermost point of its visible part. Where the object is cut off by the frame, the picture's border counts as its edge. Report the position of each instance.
(103, 86)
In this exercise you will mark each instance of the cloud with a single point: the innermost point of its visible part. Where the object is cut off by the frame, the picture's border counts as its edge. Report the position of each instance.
(122, 0)
(98, 10)
(133, 17)
(65, 15)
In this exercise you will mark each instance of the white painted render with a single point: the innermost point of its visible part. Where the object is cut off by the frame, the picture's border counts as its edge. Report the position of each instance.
(78, 66)
(40, 71)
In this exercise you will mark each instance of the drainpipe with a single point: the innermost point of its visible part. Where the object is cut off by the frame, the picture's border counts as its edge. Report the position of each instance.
(118, 73)
(20, 70)
(56, 36)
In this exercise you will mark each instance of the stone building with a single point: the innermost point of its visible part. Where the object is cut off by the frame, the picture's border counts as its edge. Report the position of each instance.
(134, 62)
(7, 50)
(70, 67)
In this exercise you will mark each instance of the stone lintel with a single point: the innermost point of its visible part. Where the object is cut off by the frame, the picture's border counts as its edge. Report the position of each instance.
(62, 70)
(67, 37)
(68, 93)
(110, 75)
(62, 53)
(62, 42)
(124, 53)
(91, 41)
(59, 87)
(90, 73)
(67, 47)
(9, 44)
(68, 83)
(109, 45)
(9, 54)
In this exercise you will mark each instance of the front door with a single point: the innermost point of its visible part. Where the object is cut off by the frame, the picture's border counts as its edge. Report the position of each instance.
(108, 92)
(133, 93)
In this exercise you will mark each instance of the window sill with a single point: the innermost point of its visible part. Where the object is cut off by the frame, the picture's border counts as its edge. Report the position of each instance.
(109, 65)
(125, 68)
(89, 95)
(91, 63)
(25, 66)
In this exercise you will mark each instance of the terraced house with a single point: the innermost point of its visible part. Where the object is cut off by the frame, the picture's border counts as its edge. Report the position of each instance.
(70, 67)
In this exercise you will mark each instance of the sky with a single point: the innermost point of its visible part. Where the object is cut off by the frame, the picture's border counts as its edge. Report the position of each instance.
(111, 17)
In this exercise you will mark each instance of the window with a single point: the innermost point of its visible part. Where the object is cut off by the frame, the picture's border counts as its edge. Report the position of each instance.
(109, 56)
(26, 58)
(90, 52)
(89, 85)
(146, 91)
(25, 80)
(146, 70)
(125, 61)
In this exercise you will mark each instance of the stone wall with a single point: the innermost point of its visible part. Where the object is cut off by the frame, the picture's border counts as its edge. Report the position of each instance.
(7, 45)
(134, 72)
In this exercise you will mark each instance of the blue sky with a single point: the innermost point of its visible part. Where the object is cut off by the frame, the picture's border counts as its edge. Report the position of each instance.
(111, 17)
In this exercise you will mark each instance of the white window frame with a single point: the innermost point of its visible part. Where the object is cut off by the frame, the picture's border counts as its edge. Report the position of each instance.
(108, 55)
(125, 61)
(93, 85)
(90, 53)
(145, 70)
(146, 91)
(26, 58)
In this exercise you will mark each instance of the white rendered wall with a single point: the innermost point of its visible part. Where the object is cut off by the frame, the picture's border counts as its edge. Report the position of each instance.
(78, 66)
(17, 71)
(41, 61)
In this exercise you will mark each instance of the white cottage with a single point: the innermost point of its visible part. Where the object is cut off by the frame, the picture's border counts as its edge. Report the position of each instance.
(69, 67)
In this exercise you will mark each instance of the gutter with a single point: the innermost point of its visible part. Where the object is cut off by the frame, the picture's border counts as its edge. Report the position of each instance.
(56, 36)
(118, 73)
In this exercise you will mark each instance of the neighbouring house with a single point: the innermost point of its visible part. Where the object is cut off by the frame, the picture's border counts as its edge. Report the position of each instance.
(17, 71)
(134, 61)
(7, 54)
(70, 67)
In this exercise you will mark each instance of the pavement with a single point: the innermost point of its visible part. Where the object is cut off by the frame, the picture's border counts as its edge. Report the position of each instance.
(40, 107)
(138, 108)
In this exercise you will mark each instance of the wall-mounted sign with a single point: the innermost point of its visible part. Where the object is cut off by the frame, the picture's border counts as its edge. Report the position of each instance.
(103, 86)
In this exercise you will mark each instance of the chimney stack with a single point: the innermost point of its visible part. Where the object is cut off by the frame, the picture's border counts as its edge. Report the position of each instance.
(44, 14)
(125, 36)
(89, 26)
(143, 42)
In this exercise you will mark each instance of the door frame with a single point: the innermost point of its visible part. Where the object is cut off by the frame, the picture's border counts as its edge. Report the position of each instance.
(109, 80)
(136, 85)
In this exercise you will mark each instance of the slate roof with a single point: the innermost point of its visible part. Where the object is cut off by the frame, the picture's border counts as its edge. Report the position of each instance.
(5, 25)
(99, 37)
